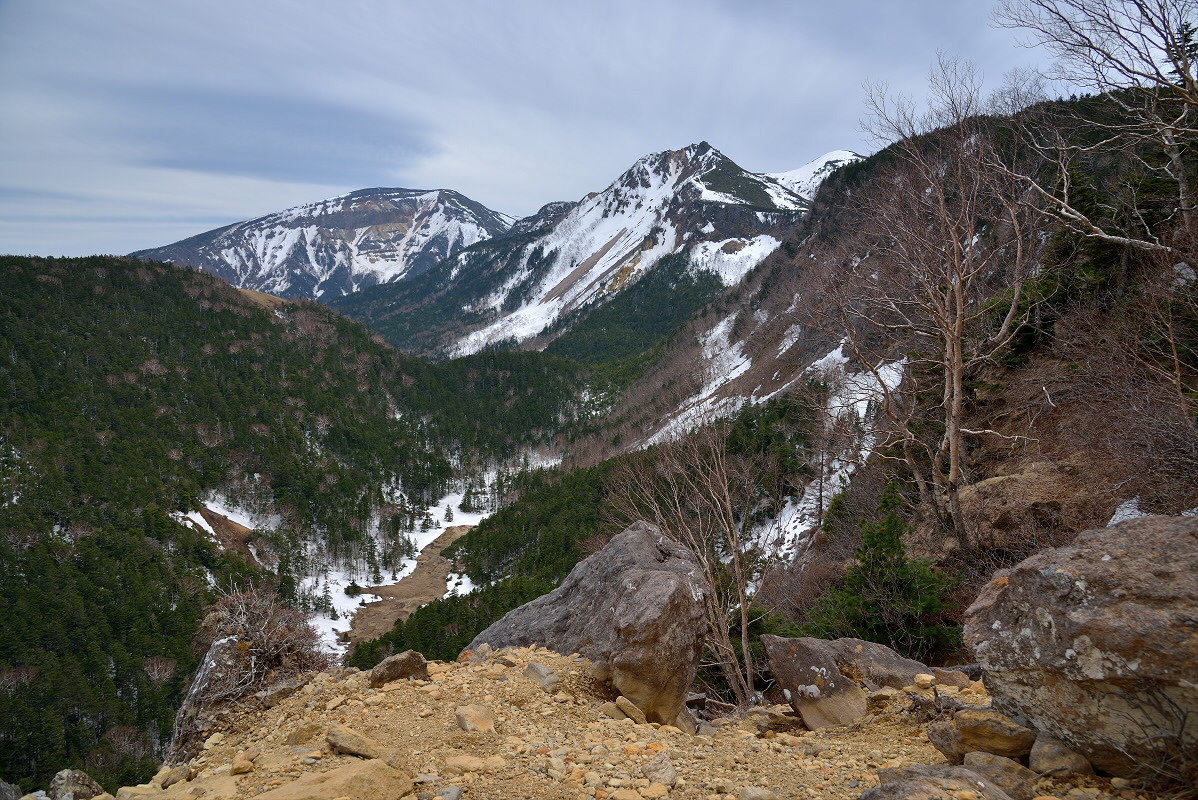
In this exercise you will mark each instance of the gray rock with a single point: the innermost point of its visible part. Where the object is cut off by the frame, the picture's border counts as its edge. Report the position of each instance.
(660, 769)
(819, 692)
(73, 784)
(875, 665)
(1095, 643)
(756, 793)
(635, 609)
(925, 782)
(408, 664)
(10, 791)
(1049, 755)
(541, 675)
(450, 793)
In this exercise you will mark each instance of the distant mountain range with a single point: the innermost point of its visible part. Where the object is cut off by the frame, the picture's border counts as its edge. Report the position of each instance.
(452, 276)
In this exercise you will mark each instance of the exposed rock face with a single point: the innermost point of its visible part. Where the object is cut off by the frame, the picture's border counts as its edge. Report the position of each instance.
(1095, 643)
(192, 721)
(820, 693)
(635, 608)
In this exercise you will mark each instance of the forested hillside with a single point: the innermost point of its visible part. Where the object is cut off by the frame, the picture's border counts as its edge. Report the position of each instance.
(132, 391)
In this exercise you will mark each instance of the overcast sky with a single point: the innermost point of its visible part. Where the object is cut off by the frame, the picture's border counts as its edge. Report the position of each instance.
(127, 124)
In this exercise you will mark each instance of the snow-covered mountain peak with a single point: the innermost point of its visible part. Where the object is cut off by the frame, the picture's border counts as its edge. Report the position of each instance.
(805, 180)
(341, 244)
(694, 200)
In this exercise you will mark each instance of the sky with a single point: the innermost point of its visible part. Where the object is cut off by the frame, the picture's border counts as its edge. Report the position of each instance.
(129, 124)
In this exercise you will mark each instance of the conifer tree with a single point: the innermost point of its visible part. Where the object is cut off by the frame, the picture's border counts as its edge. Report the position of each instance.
(887, 597)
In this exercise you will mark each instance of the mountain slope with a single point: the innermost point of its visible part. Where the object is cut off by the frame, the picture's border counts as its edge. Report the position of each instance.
(341, 245)
(695, 202)
(133, 396)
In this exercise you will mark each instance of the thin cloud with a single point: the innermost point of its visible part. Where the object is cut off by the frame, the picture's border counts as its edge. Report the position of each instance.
(181, 114)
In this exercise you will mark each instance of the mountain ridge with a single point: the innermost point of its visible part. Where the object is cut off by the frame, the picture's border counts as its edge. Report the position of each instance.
(339, 245)
(528, 286)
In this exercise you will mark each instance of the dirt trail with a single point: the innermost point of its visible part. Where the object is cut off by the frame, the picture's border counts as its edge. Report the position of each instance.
(399, 600)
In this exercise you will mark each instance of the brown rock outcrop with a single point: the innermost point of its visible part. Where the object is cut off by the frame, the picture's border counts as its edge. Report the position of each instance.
(635, 608)
(1096, 643)
(368, 780)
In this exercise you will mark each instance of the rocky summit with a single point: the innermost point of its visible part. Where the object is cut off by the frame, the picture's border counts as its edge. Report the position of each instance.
(487, 727)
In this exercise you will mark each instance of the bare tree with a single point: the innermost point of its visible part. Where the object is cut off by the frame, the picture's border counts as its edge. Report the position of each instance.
(704, 498)
(936, 271)
(1140, 57)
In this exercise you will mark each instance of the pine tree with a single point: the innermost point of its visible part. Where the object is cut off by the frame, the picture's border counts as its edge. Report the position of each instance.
(887, 597)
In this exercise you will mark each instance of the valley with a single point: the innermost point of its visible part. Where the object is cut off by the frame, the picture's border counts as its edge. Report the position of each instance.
(861, 404)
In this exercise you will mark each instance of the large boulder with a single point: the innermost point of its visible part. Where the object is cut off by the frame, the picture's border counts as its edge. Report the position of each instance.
(1096, 643)
(875, 665)
(73, 784)
(825, 678)
(635, 608)
(818, 691)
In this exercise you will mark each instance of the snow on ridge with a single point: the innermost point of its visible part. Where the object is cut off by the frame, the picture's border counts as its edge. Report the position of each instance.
(806, 179)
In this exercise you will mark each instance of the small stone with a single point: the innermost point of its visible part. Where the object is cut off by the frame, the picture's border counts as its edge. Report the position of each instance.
(213, 740)
(626, 794)
(951, 677)
(1048, 754)
(924, 681)
(660, 769)
(450, 793)
(475, 718)
(756, 793)
(612, 710)
(541, 675)
(343, 739)
(654, 791)
(241, 765)
(630, 710)
(460, 764)
(336, 701)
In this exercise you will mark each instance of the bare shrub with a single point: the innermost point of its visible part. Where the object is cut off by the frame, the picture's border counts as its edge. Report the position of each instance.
(271, 642)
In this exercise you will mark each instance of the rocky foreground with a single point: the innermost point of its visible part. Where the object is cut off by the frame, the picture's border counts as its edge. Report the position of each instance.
(496, 726)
